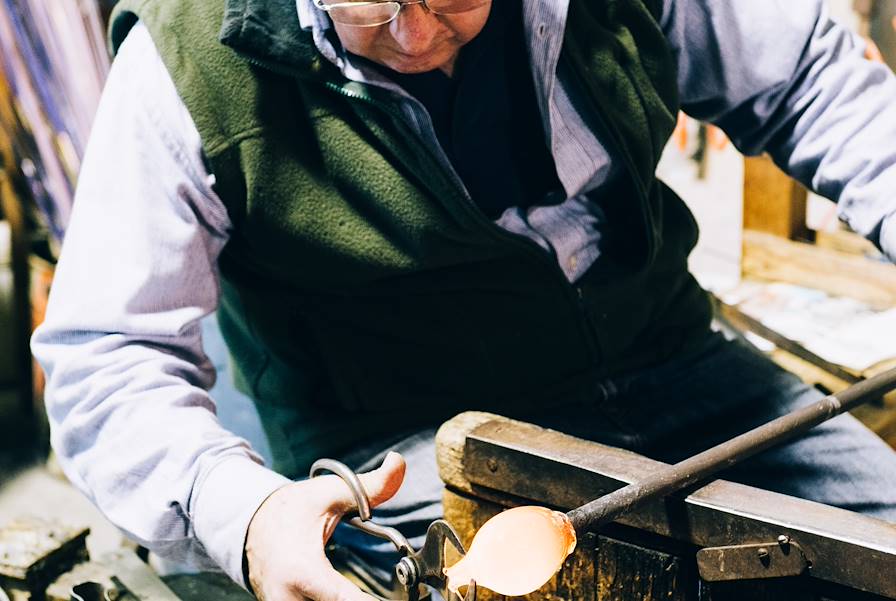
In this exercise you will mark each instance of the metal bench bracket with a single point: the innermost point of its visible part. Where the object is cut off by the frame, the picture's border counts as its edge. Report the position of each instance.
(779, 559)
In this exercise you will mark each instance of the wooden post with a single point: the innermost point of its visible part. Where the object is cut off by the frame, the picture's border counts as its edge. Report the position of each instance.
(773, 202)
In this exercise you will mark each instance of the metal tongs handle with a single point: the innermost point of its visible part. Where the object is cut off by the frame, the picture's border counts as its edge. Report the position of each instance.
(363, 521)
(415, 567)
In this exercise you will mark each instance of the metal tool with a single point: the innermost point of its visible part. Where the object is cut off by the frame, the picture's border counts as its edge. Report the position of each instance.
(126, 578)
(604, 510)
(94, 591)
(414, 568)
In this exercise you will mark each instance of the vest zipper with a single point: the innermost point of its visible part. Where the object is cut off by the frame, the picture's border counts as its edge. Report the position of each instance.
(643, 193)
(573, 293)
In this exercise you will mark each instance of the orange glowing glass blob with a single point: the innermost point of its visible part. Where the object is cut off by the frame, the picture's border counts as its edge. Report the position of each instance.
(515, 552)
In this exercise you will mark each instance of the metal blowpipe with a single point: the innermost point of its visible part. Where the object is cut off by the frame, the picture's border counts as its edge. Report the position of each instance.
(601, 511)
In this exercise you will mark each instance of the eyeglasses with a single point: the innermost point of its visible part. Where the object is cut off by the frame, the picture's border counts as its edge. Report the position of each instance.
(372, 13)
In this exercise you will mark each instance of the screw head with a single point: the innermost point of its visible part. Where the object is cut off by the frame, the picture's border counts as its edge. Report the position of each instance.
(492, 465)
(783, 540)
(406, 572)
(763, 553)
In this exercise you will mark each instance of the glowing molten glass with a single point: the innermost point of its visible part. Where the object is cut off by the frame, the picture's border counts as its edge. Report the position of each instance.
(515, 552)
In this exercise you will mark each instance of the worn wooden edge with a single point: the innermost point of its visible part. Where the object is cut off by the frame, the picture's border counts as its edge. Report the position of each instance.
(450, 440)
(771, 258)
(847, 241)
(508, 462)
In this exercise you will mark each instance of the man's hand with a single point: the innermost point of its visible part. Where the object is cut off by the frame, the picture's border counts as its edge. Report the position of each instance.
(286, 538)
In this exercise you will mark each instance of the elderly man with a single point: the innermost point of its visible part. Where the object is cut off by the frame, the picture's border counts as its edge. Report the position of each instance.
(401, 210)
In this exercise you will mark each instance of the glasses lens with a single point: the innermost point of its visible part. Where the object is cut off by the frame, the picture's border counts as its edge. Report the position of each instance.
(362, 13)
(453, 7)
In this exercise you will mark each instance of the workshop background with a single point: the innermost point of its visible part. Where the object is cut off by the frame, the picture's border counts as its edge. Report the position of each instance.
(762, 237)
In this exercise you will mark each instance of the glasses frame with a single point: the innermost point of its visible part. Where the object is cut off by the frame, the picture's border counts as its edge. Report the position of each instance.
(401, 4)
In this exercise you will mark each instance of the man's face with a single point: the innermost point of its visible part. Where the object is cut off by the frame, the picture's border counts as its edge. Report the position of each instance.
(417, 40)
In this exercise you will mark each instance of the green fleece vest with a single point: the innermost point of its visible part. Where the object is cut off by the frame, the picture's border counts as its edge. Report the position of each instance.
(363, 294)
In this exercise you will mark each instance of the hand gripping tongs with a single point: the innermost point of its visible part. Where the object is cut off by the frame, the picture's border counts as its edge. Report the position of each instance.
(414, 568)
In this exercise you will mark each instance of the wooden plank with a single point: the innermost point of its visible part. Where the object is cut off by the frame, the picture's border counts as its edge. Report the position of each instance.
(849, 242)
(773, 202)
(744, 322)
(576, 579)
(771, 258)
(809, 373)
(626, 571)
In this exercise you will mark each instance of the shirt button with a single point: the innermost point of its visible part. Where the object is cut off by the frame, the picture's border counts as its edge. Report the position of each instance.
(573, 262)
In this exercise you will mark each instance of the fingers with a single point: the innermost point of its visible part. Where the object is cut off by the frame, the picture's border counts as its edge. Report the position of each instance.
(307, 576)
(380, 484)
(326, 584)
(286, 537)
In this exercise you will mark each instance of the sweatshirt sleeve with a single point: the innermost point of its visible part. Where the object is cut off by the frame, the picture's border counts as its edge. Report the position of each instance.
(127, 380)
(780, 76)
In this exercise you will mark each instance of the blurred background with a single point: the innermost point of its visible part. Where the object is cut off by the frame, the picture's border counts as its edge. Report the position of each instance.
(763, 238)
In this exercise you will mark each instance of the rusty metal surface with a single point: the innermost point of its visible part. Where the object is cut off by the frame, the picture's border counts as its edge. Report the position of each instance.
(91, 571)
(120, 575)
(778, 559)
(34, 551)
(515, 462)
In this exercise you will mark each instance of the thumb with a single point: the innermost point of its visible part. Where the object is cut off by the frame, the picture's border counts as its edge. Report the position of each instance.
(382, 483)
(379, 485)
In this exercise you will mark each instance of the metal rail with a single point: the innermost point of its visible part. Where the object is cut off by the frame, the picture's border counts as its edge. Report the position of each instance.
(604, 510)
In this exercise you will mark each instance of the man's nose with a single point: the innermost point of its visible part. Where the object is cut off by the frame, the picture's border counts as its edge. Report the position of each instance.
(414, 29)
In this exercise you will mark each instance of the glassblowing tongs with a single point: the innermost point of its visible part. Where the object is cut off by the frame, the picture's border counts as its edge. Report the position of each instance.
(415, 568)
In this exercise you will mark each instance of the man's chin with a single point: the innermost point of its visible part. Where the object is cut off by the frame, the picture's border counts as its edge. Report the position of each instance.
(410, 65)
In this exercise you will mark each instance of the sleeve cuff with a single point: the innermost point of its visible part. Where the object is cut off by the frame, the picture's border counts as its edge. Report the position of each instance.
(227, 500)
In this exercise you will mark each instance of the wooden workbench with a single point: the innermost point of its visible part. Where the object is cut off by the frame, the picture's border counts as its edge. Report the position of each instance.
(488, 463)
